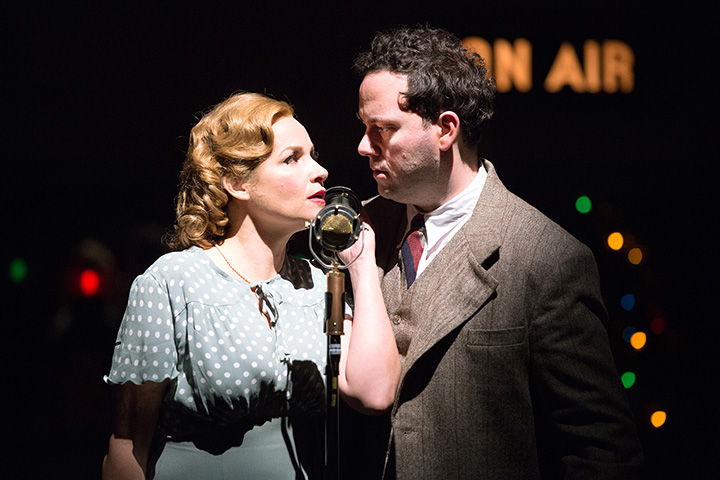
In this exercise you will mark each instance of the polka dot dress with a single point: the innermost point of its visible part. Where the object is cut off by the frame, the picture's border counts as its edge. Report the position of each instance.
(189, 321)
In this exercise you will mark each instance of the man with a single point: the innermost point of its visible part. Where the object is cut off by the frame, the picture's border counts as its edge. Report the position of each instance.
(506, 365)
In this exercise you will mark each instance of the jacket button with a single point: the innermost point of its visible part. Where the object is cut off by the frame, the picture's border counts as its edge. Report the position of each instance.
(396, 319)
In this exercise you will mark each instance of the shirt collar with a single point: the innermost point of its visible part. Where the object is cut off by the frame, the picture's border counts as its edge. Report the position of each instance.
(454, 210)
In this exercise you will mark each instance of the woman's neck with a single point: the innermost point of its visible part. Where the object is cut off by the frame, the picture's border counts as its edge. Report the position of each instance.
(252, 257)
(253, 248)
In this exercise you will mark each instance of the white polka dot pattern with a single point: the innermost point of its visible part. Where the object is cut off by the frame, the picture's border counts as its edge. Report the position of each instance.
(188, 320)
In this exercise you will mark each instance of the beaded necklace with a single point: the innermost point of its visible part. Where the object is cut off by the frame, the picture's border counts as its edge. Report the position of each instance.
(254, 289)
(230, 265)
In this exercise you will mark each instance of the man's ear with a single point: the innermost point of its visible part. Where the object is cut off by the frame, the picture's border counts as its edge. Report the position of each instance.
(235, 187)
(449, 124)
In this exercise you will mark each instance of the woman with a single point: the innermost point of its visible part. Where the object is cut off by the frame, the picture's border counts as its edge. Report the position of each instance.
(219, 363)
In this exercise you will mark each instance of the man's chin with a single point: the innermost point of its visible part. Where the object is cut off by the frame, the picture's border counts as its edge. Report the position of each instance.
(388, 193)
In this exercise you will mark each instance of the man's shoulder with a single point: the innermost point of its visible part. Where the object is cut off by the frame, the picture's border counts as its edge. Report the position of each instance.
(518, 221)
(529, 229)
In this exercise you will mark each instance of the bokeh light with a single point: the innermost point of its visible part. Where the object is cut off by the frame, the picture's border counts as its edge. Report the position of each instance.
(658, 419)
(627, 333)
(635, 256)
(657, 325)
(89, 282)
(615, 240)
(638, 340)
(583, 204)
(628, 379)
(18, 270)
(627, 302)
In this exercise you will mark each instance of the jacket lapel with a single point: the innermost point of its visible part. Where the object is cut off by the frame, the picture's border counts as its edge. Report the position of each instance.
(456, 284)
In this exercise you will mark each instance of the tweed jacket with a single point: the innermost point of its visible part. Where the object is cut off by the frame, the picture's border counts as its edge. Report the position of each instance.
(507, 371)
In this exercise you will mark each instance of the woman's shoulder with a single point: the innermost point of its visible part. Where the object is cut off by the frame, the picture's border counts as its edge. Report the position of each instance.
(178, 263)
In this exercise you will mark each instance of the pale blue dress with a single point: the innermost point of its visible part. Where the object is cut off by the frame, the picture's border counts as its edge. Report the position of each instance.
(244, 394)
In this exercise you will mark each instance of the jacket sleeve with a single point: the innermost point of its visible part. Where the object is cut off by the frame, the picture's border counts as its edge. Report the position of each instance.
(583, 422)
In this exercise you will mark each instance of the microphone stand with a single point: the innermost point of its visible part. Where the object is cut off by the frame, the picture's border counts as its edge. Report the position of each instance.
(336, 227)
(334, 318)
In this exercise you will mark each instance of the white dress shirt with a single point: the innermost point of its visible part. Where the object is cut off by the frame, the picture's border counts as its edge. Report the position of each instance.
(444, 222)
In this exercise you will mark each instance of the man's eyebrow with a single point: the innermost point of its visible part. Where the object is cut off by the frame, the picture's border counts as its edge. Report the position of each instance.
(374, 120)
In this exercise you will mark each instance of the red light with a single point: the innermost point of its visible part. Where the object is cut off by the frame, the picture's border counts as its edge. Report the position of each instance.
(657, 325)
(89, 282)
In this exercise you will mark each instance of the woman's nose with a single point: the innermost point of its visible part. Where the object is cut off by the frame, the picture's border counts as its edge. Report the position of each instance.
(320, 174)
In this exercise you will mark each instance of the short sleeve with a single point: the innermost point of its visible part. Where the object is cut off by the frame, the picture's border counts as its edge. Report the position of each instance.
(145, 348)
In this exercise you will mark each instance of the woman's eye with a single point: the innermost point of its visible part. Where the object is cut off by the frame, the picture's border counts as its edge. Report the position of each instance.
(291, 159)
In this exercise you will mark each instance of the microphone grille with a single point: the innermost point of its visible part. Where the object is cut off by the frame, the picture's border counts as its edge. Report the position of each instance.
(336, 230)
(339, 224)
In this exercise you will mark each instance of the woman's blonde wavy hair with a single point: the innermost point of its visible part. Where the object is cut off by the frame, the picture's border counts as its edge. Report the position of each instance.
(232, 138)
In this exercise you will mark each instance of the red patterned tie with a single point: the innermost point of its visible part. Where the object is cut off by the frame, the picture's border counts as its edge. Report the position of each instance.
(412, 249)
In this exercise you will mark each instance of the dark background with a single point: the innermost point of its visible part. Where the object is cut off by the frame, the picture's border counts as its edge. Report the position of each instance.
(98, 101)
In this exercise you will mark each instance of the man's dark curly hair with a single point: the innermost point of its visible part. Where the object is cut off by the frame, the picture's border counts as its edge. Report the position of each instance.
(442, 75)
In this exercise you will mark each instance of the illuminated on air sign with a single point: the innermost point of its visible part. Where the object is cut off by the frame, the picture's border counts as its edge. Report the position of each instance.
(607, 66)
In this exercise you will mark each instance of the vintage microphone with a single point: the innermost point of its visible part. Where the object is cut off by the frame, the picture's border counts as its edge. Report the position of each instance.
(336, 227)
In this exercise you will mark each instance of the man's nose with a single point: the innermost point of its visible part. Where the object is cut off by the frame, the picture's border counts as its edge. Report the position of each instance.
(365, 147)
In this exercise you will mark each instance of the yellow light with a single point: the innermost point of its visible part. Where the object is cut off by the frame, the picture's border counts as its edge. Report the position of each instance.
(615, 240)
(635, 256)
(638, 340)
(658, 418)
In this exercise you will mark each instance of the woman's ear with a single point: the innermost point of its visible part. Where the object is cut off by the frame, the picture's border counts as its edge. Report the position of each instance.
(449, 124)
(235, 187)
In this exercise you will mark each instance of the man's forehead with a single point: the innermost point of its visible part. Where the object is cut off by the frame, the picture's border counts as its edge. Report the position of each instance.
(381, 96)
(383, 82)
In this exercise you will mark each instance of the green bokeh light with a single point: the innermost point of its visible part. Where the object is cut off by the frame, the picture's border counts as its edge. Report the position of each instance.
(18, 270)
(583, 204)
(628, 379)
